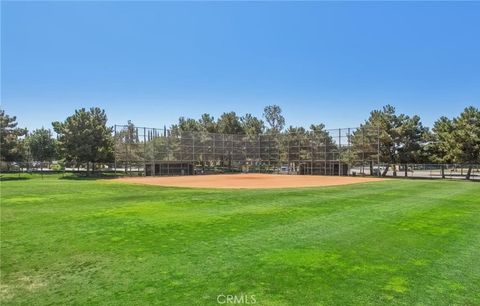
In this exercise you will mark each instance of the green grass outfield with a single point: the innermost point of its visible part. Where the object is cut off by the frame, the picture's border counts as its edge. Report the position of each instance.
(97, 242)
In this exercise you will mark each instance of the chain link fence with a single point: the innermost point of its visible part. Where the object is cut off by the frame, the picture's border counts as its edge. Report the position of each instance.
(426, 171)
(173, 152)
(142, 151)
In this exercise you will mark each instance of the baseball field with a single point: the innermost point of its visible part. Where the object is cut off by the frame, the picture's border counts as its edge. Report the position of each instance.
(68, 240)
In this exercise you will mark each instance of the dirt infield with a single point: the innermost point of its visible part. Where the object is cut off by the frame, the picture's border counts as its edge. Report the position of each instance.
(248, 181)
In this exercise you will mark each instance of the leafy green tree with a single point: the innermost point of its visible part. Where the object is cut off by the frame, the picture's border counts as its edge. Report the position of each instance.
(388, 124)
(295, 145)
(364, 144)
(181, 139)
(11, 143)
(128, 147)
(229, 123)
(207, 123)
(438, 148)
(188, 125)
(412, 138)
(321, 136)
(207, 127)
(275, 120)
(467, 135)
(442, 142)
(458, 140)
(401, 137)
(174, 130)
(323, 145)
(42, 145)
(85, 137)
(251, 125)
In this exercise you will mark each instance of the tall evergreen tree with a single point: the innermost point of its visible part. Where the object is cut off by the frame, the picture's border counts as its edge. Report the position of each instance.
(413, 137)
(275, 120)
(400, 137)
(207, 123)
(188, 125)
(43, 147)
(466, 132)
(251, 125)
(11, 142)
(458, 140)
(229, 123)
(85, 137)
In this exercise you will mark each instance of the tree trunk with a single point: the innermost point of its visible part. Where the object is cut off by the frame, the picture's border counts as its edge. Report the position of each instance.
(406, 170)
(386, 170)
(93, 167)
(394, 168)
(88, 168)
(443, 171)
(371, 168)
(469, 172)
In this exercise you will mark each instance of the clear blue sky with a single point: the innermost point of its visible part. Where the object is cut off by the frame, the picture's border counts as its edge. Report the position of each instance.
(152, 62)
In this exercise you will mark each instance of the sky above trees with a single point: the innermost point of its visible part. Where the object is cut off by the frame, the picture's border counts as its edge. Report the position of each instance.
(153, 62)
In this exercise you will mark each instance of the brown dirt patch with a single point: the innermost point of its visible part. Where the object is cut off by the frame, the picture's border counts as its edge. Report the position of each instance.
(248, 181)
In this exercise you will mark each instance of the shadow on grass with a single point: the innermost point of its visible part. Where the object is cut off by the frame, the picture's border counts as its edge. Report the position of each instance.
(91, 177)
(429, 178)
(12, 178)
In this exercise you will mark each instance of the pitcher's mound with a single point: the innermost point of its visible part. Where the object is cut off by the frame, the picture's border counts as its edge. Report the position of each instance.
(248, 180)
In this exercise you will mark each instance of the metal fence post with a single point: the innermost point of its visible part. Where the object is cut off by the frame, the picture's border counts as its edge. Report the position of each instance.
(144, 152)
(378, 150)
(115, 148)
(339, 150)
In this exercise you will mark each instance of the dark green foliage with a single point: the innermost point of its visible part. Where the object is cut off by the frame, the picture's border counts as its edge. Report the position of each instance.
(401, 137)
(85, 137)
(229, 123)
(207, 123)
(441, 148)
(251, 125)
(466, 131)
(458, 140)
(12, 147)
(413, 136)
(188, 125)
(275, 120)
(43, 147)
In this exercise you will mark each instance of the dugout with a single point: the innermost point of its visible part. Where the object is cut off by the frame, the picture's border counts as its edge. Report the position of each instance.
(168, 168)
(323, 168)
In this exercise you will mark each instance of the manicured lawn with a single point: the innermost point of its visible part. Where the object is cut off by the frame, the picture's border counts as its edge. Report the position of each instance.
(99, 242)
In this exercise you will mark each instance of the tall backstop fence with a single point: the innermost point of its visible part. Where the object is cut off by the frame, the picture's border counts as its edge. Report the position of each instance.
(155, 152)
(151, 151)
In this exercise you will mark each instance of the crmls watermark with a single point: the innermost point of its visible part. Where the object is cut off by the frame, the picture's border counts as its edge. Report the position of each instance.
(236, 299)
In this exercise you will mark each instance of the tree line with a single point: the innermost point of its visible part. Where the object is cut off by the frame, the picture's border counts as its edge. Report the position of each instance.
(85, 137)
